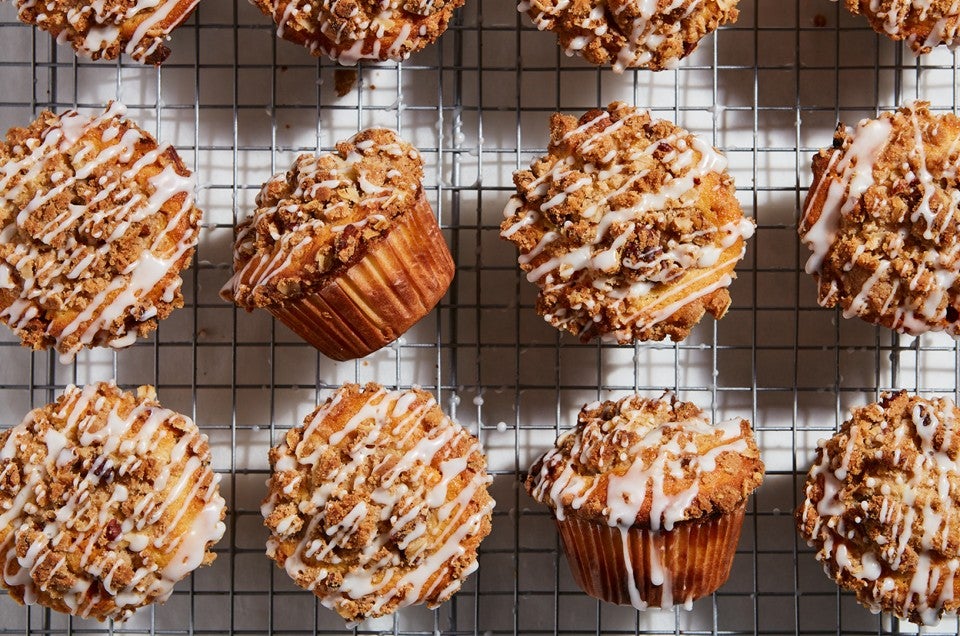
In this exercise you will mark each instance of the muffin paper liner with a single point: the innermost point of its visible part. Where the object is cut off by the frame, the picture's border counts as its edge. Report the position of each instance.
(374, 301)
(650, 568)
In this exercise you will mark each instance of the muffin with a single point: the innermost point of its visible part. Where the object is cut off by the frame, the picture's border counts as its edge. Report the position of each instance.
(649, 499)
(108, 500)
(627, 34)
(924, 24)
(348, 31)
(344, 248)
(879, 506)
(629, 226)
(104, 30)
(879, 220)
(377, 501)
(97, 220)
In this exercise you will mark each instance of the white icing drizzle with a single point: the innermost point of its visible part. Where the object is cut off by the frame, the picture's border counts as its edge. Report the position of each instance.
(348, 37)
(647, 27)
(619, 280)
(359, 202)
(88, 423)
(59, 282)
(919, 303)
(402, 492)
(942, 19)
(635, 486)
(917, 492)
(95, 26)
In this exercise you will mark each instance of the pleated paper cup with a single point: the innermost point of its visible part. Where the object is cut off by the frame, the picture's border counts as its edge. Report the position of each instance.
(649, 568)
(373, 302)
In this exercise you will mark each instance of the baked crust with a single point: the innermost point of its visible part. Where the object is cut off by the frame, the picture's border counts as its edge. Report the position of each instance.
(352, 30)
(105, 29)
(627, 34)
(629, 226)
(108, 500)
(645, 463)
(96, 222)
(879, 219)
(924, 24)
(377, 501)
(321, 217)
(880, 506)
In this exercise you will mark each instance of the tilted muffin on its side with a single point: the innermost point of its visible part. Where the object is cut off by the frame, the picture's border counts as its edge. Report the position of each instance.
(924, 24)
(104, 30)
(649, 499)
(881, 503)
(344, 248)
(880, 219)
(377, 501)
(96, 222)
(629, 226)
(107, 500)
(352, 30)
(629, 34)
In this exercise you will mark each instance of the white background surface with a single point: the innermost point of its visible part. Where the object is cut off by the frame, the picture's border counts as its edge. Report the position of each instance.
(239, 105)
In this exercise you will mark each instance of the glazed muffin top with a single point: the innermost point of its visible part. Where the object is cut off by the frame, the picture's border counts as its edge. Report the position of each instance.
(104, 30)
(648, 463)
(352, 30)
(377, 502)
(629, 225)
(108, 500)
(881, 502)
(627, 34)
(317, 218)
(96, 222)
(879, 219)
(924, 24)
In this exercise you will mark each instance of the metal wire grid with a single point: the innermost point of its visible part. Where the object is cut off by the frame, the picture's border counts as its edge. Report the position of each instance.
(239, 105)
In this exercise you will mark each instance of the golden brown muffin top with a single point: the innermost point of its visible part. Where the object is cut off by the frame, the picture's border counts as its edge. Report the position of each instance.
(881, 502)
(96, 222)
(647, 463)
(318, 218)
(352, 30)
(924, 24)
(879, 219)
(377, 502)
(629, 225)
(106, 28)
(106, 501)
(653, 34)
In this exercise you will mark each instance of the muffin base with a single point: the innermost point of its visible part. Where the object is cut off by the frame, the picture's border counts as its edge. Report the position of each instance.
(374, 301)
(646, 568)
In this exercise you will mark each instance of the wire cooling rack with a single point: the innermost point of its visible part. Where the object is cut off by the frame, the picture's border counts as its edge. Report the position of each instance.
(239, 105)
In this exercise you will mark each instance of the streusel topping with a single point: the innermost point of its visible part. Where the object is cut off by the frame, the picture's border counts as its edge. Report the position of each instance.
(377, 502)
(881, 506)
(318, 217)
(96, 222)
(629, 225)
(881, 221)
(107, 500)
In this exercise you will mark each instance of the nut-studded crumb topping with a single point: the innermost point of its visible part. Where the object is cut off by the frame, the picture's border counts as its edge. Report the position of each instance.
(630, 34)
(924, 24)
(96, 222)
(377, 502)
(880, 219)
(318, 218)
(107, 28)
(629, 225)
(647, 463)
(352, 30)
(881, 506)
(107, 500)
